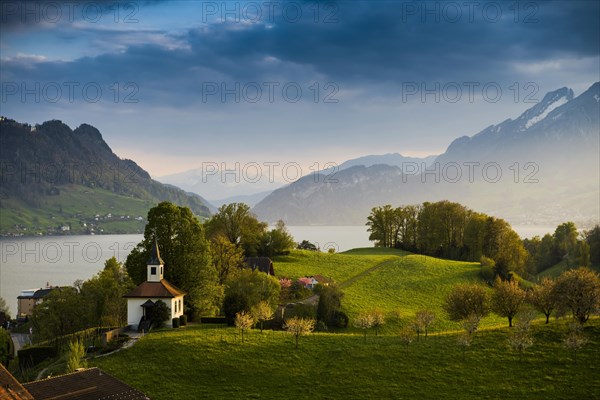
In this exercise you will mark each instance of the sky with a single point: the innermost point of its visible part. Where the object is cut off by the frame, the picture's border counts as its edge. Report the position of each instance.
(175, 85)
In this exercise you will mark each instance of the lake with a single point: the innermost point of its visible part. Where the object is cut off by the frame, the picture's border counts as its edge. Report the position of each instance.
(33, 262)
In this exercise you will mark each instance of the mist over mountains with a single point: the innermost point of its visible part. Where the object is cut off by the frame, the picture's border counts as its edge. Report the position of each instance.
(541, 167)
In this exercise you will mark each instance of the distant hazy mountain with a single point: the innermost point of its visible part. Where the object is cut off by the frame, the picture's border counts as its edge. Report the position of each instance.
(538, 168)
(391, 159)
(55, 179)
(251, 199)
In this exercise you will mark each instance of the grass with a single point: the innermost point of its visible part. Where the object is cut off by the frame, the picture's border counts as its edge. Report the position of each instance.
(340, 267)
(73, 205)
(212, 363)
(557, 269)
(395, 281)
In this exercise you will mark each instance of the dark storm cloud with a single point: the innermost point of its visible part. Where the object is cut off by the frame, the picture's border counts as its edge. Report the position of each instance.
(379, 44)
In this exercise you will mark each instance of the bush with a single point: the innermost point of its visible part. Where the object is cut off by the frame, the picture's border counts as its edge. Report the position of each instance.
(34, 355)
(340, 319)
(175, 322)
(487, 274)
(183, 320)
(301, 311)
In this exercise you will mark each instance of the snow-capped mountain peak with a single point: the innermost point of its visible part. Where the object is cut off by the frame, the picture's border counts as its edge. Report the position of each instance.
(550, 102)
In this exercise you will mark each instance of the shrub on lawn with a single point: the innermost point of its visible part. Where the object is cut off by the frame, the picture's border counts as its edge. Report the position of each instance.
(183, 320)
(175, 322)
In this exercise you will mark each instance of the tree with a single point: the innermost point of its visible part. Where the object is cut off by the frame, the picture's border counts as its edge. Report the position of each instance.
(364, 321)
(59, 314)
(575, 339)
(277, 241)
(262, 312)
(5, 347)
(471, 323)
(521, 339)
(243, 321)
(4, 307)
(425, 319)
(330, 303)
(76, 354)
(235, 222)
(466, 300)
(543, 297)
(102, 295)
(464, 341)
(507, 298)
(299, 327)
(186, 255)
(378, 320)
(247, 289)
(578, 290)
(226, 257)
(583, 251)
(592, 237)
(565, 239)
(306, 245)
(160, 313)
(407, 336)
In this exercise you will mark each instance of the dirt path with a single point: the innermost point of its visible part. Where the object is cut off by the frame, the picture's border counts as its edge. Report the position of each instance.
(366, 272)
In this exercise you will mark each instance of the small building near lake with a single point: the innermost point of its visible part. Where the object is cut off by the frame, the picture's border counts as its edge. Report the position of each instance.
(142, 299)
(262, 264)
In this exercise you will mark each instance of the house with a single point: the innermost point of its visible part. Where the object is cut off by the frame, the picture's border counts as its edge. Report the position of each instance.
(311, 282)
(87, 384)
(10, 388)
(30, 298)
(263, 264)
(322, 280)
(142, 299)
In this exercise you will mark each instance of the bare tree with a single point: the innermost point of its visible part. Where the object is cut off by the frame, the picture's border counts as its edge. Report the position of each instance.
(464, 340)
(364, 321)
(543, 297)
(521, 339)
(262, 312)
(507, 298)
(575, 339)
(407, 335)
(243, 321)
(299, 327)
(425, 318)
(378, 320)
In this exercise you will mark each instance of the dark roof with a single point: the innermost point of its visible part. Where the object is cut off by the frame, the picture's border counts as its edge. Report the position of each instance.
(148, 303)
(263, 264)
(155, 255)
(10, 388)
(162, 289)
(89, 384)
(38, 294)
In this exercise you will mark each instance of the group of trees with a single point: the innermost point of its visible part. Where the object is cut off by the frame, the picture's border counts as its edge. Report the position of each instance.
(566, 244)
(448, 230)
(206, 260)
(240, 227)
(95, 302)
(576, 291)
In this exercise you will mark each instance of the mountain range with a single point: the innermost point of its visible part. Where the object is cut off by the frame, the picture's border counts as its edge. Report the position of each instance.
(541, 167)
(55, 180)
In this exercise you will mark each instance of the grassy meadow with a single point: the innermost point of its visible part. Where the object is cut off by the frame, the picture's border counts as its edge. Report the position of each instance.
(210, 362)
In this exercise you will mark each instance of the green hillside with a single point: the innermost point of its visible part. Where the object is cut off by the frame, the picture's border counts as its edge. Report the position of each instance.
(208, 362)
(74, 207)
(559, 268)
(397, 282)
